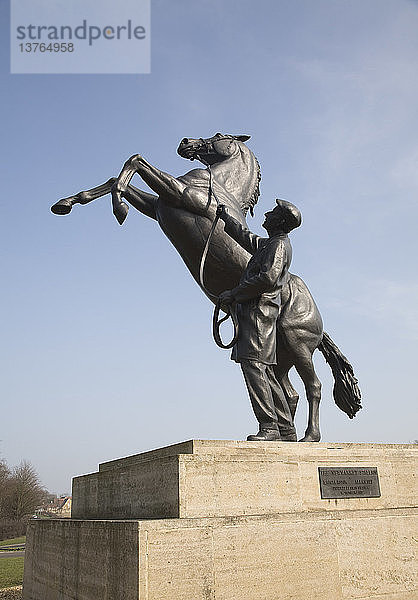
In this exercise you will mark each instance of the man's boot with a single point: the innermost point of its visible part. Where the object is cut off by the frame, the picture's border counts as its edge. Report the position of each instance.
(265, 434)
(288, 435)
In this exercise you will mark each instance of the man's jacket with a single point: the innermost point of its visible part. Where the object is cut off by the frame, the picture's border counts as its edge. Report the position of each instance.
(258, 293)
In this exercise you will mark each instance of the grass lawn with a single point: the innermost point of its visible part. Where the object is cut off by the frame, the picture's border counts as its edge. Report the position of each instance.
(11, 572)
(19, 540)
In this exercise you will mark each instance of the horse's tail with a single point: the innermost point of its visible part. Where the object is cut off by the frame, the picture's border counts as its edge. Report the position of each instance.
(346, 392)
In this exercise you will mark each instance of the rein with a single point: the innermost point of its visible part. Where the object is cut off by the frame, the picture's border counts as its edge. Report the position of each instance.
(230, 310)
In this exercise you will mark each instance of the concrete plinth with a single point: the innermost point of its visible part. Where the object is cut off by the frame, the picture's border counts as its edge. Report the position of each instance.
(231, 520)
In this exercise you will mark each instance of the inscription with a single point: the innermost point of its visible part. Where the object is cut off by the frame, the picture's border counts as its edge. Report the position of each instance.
(349, 482)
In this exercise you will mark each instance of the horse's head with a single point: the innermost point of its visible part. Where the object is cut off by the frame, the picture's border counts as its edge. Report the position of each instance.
(235, 168)
(211, 150)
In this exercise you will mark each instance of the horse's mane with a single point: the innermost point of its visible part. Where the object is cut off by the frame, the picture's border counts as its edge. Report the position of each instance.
(256, 193)
(248, 202)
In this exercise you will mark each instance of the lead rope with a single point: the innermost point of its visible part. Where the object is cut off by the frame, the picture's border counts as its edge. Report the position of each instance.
(230, 310)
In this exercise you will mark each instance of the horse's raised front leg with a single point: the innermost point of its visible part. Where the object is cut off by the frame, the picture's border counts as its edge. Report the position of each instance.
(64, 206)
(142, 201)
(162, 183)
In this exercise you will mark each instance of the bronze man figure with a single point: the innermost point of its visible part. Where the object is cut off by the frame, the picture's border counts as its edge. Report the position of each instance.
(257, 298)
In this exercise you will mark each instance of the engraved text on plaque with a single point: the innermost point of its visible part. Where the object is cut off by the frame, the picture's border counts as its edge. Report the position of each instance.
(349, 482)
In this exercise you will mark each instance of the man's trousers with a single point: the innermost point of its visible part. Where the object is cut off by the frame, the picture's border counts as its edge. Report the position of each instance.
(267, 398)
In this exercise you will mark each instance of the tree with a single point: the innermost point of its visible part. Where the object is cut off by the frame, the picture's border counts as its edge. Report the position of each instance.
(25, 493)
(20, 495)
(4, 487)
(4, 472)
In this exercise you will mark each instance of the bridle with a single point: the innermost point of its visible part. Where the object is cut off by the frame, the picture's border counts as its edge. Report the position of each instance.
(208, 144)
(230, 311)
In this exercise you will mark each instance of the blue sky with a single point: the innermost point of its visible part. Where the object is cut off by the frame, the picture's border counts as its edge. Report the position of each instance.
(107, 347)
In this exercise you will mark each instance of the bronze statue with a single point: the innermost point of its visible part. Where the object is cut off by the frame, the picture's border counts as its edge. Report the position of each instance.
(185, 208)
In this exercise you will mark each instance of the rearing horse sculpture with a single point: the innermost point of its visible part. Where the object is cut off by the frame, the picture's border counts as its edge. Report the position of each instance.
(185, 210)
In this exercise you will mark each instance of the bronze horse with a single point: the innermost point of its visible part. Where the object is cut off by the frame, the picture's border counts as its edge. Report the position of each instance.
(185, 209)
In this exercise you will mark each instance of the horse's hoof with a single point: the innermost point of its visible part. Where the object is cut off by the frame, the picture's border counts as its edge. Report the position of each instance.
(62, 207)
(121, 212)
(310, 438)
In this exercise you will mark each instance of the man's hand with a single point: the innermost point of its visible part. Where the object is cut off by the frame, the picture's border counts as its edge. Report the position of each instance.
(226, 298)
(221, 212)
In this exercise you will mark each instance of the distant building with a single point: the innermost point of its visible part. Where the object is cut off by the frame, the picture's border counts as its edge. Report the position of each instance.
(58, 507)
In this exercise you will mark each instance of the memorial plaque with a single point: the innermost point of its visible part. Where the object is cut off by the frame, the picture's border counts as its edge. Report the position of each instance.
(349, 482)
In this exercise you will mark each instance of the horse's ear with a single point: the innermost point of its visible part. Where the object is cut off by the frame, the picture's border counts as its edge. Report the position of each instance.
(242, 138)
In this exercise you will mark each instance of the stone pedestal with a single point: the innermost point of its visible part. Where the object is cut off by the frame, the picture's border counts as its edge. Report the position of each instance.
(220, 520)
